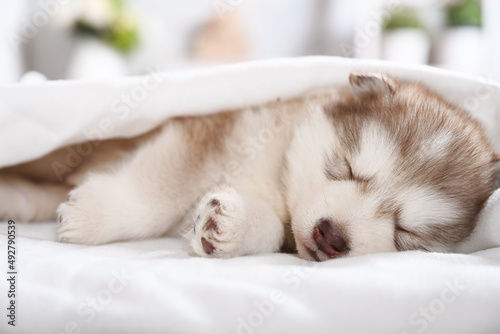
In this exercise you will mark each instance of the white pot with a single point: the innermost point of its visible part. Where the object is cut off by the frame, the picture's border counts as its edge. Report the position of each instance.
(95, 59)
(460, 49)
(406, 45)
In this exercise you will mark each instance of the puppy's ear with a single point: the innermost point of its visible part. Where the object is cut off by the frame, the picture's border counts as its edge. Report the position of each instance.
(371, 84)
(495, 158)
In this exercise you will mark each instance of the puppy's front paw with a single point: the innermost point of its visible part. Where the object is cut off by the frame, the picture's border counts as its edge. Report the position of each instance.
(219, 225)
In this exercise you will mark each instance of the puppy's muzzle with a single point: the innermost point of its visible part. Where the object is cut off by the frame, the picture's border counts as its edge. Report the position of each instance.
(330, 238)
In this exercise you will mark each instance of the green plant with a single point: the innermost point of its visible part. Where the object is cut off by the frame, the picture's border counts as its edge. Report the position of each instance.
(464, 13)
(121, 31)
(406, 17)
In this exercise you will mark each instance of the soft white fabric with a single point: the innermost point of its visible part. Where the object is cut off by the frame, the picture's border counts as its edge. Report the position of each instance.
(173, 291)
(57, 113)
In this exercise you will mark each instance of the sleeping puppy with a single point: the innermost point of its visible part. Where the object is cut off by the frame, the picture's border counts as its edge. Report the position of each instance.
(388, 166)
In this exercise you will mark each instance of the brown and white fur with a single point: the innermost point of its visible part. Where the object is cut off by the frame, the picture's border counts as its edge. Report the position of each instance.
(390, 167)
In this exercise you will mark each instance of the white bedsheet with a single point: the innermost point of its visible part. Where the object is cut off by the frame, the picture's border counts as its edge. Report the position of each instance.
(158, 286)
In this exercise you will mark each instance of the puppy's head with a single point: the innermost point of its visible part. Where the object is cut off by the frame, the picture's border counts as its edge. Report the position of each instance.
(394, 167)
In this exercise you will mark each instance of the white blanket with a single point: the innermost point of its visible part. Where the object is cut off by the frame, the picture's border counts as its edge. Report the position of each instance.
(158, 286)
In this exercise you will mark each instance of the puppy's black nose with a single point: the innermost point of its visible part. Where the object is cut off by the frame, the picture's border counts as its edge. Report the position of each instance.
(330, 238)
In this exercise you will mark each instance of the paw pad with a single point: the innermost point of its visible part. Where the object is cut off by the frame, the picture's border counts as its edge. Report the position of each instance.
(215, 203)
(211, 225)
(207, 246)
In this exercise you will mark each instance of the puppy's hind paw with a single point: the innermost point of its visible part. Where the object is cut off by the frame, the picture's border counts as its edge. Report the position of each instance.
(74, 225)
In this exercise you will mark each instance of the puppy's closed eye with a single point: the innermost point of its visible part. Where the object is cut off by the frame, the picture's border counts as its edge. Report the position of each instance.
(405, 239)
(340, 169)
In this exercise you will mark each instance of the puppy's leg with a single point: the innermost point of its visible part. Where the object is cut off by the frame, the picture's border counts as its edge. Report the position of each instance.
(228, 223)
(142, 197)
(104, 208)
(24, 200)
(151, 191)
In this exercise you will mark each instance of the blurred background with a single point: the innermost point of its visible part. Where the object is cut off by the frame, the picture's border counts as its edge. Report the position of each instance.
(76, 39)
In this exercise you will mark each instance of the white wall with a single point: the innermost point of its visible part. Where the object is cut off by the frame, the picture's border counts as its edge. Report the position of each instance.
(11, 13)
